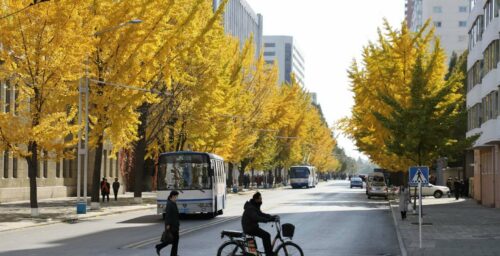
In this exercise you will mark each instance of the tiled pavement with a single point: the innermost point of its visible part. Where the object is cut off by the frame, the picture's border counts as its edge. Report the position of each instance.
(451, 228)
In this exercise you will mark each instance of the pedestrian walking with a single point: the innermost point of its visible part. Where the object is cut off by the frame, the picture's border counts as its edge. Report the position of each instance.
(116, 187)
(457, 188)
(404, 200)
(105, 188)
(172, 225)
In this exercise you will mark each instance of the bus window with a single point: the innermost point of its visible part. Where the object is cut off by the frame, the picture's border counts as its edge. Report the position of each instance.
(184, 173)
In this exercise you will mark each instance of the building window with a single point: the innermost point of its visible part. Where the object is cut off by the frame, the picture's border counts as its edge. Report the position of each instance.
(270, 62)
(6, 164)
(14, 167)
(462, 8)
(45, 164)
(462, 24)
(437, 9)
(105, 162)
(65, 168)
(269, 45)
(491, 57)
(269, 53)
(438, 24)
(58, 168)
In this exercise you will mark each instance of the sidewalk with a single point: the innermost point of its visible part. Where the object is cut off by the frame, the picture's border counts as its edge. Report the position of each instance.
(16, 215)
(451, 228)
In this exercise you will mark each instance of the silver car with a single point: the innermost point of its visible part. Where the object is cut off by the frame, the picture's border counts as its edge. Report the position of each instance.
(377, 189)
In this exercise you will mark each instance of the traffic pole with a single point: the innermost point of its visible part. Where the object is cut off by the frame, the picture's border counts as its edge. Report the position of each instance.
(420, 212)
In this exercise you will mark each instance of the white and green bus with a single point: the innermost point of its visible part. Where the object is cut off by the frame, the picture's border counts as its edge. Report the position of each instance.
(200, 179)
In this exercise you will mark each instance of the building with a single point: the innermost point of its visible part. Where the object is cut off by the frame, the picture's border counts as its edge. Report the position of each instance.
(483, 101)
(449, 18)
(242, 22)
(314, 98)
(286, 52)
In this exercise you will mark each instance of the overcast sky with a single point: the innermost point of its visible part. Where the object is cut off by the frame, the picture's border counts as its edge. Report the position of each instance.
(330, 33)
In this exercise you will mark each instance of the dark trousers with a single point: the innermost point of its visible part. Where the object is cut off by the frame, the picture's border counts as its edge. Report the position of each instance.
(403, 215)
(175, 244)
(105, 195)
(457, 194)
(116, 195)
(266, 240)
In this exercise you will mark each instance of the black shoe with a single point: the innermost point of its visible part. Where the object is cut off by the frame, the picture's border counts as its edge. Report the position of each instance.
(157, 250)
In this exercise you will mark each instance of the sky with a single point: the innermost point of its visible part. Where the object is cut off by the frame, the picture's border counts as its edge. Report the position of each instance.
(331, 33)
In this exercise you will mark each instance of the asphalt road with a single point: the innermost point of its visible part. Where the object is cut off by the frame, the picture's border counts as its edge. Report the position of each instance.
(331, 219)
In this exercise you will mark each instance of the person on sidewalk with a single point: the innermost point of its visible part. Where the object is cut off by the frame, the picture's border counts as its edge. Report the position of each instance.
(116, 187)
(172, 224)
(404, 200)
(105, 188)
(251, 218)
(457, 188)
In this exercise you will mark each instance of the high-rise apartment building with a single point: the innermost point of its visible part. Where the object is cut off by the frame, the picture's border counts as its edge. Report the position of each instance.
(483, 101)
(448, 16)
(285, 51)
(242, 22)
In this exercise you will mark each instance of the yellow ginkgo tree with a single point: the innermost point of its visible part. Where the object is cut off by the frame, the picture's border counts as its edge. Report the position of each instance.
(42, 51)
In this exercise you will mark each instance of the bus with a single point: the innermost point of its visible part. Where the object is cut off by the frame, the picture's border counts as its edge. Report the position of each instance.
(303, 176)
(200, 179)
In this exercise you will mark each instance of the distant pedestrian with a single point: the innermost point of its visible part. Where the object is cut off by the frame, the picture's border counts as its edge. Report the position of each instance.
(449, 184)
(404, 200)
(105, 189)
(116, 187)
(462, 188)
(172, 225)
(465, 188)
(457, 188)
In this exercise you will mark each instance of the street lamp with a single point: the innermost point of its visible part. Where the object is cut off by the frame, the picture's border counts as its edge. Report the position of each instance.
(83, 92)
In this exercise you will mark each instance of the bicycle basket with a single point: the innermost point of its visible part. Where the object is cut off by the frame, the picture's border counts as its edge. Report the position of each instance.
(288, 230)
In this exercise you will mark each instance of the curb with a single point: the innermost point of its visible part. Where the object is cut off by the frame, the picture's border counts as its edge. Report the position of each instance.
(75, 220)
(402, 246)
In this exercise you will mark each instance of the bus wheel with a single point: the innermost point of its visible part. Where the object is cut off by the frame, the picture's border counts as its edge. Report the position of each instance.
(220, 212)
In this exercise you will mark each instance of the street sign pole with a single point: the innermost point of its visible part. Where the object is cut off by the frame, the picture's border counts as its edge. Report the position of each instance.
(420, 212)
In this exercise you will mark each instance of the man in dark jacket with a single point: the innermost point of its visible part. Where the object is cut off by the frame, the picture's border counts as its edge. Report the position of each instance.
(116, 187)
(105, 189)
(171, 224)
(457, 187)
(251, 218)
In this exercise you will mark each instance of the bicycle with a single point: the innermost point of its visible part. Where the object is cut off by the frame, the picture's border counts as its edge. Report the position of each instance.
(240, 244)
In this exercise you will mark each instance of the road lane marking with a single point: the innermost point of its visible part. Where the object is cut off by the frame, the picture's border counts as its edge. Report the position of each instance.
(155, 239)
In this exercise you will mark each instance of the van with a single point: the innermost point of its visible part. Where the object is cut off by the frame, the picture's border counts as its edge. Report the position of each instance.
(376, 185)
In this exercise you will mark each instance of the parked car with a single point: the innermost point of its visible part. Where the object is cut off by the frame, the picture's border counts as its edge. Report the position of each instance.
(376, 186)
(375, 176)
(356, 182)
(433, 190)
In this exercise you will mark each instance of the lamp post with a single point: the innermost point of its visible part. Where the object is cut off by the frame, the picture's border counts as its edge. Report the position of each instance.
(83, 92)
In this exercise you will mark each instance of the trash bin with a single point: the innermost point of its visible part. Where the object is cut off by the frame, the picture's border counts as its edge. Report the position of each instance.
(81, 208)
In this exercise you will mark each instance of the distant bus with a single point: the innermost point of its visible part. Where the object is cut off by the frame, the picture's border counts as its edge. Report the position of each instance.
(200, 179)
(303, 176)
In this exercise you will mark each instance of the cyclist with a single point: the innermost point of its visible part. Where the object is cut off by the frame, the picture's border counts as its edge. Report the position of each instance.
(251, 218)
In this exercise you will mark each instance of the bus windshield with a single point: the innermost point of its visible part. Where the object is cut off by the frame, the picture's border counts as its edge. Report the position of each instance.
(184, 172)
(299, 173)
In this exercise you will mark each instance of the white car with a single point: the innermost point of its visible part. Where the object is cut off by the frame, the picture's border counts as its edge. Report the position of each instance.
(433, 190)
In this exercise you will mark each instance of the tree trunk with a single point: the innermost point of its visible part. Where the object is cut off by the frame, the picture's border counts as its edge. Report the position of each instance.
(140, 153)
(97, 172)
(32, 171)
(243, 166)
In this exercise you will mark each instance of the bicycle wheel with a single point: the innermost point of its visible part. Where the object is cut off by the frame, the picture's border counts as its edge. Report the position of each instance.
(230, 248)
(289, 249)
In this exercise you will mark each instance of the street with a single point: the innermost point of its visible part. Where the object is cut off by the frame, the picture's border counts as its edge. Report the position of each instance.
(331, 219)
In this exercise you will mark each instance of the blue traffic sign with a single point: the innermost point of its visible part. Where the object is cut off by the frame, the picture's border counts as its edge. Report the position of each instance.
(418, 174)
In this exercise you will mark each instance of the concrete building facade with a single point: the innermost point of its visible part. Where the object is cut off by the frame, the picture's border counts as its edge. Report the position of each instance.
(242, 22)
(483, 101)
(55, 178)
(449, 17)
(285, 50)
